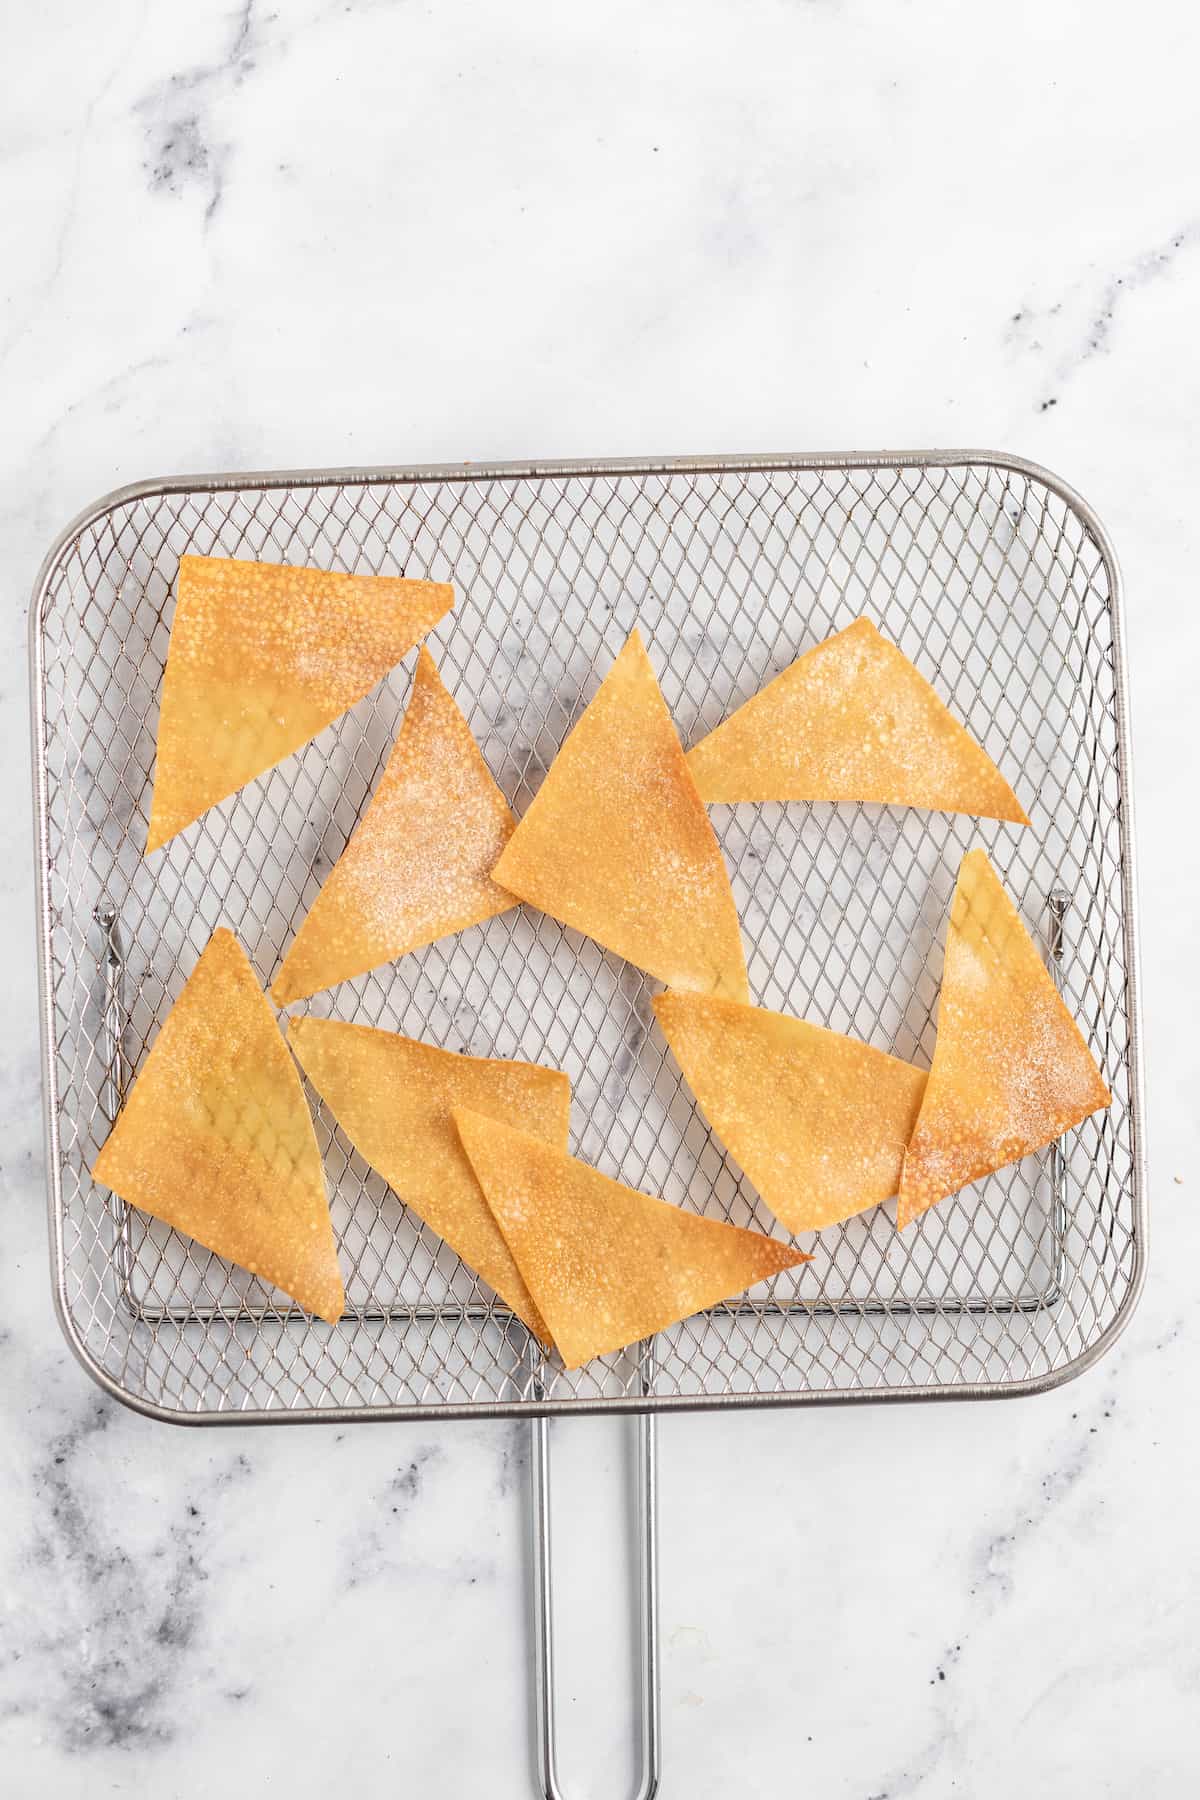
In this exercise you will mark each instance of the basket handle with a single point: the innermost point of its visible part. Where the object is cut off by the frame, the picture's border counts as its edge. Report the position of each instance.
(543, 1608)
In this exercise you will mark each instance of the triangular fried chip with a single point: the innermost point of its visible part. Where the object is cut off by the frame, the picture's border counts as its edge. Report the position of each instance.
(617, 842)
(263, 657)
(418, 864)
(605, 1264)
(817, 1121)
(1011, 1071)
(393, 1097)
(216, 1139)
(851, 720)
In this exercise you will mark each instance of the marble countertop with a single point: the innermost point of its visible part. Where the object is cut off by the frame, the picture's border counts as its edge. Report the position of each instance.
(241, 236)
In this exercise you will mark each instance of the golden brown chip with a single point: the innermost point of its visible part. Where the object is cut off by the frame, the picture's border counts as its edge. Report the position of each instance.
(263, 657)
(393, 1097)
(1011, 1071)
(617, 842)
(851, 720)
(418, 865)
(216, 1139)
(606, 1265)
(817, 1121)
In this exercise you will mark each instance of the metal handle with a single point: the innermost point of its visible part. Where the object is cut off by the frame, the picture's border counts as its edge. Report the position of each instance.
(543, 1608)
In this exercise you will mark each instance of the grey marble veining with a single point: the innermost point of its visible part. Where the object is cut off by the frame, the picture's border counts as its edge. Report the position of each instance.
(315, 233)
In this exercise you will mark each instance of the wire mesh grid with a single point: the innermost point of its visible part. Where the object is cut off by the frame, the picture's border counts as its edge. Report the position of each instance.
(992, 577)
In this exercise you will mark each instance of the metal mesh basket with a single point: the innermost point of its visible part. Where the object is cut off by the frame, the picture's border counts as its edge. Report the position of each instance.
(991, 575)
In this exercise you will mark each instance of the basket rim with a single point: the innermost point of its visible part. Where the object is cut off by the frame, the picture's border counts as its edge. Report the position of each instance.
(416, 473)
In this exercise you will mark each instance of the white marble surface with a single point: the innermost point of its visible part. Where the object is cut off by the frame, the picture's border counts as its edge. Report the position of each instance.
(370, 232)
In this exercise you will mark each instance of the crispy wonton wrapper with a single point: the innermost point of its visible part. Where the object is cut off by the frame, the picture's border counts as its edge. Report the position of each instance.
(851, 720)
(1011, 1071)
(393, 1097)
(216, 1139)
(817, 1121)
(605, 1264)
(617, 842)
(418, 864)
(263, 657)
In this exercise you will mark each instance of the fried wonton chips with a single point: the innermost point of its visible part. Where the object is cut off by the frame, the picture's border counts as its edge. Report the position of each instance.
(1011, 1071)
(606, 1265)
(418, 864)
(261, 658)
(852, 719)
(216, 1139)
(617, 842)
(817, 1121)
(393, 1097)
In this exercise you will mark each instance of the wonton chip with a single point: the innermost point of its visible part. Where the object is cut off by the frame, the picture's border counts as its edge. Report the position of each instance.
(418, 864)
(851, 720)
(606, 1265)
(617, 842)
(1011, 1071)
(393, 1097)
(216, 1139)
(817, 1121)
(261, 658)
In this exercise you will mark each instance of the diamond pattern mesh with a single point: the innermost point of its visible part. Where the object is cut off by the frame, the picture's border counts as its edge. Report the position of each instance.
(984, 575)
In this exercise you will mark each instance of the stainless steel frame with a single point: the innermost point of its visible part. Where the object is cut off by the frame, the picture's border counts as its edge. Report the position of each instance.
(993, 575)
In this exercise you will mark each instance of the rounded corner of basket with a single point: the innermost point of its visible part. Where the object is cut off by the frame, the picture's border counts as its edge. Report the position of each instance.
(1077, 502)
(1095, 1352)
(95, 509)
(103, 1380)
